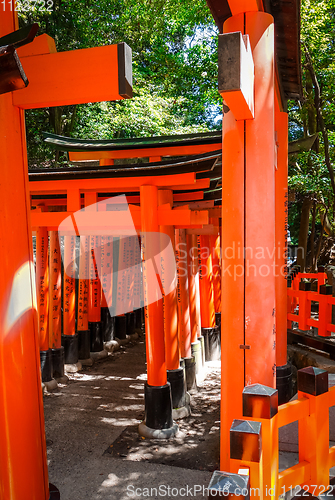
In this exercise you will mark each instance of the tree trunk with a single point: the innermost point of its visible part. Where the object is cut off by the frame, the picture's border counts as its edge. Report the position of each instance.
(312, 238)
(318, 250)
(303, 233)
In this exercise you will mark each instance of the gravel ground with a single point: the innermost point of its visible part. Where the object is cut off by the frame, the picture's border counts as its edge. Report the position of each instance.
(94, 451)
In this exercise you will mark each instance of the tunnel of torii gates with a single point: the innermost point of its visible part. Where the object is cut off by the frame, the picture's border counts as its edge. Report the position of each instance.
(180, 198)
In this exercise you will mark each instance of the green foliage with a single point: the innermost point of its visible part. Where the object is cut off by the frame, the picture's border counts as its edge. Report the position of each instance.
(174, 48)
(308, 173)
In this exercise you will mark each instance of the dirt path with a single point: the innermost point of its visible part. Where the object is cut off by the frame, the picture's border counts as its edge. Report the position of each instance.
(91, 431)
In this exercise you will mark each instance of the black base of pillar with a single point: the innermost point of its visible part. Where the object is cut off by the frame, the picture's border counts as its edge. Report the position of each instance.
(121, 327)
(46, 365)
(97, 341)
(218, 319)
(202, 343)
(130, 327)
(143, 316)
(196, 353)
(107, 324)
(57, 362)
(212, 343)
(54, 492)
(158, 406)
(284, 383)
(191, 381)
(138, 319)
(70, 344)
(84, 344)
(178, 387)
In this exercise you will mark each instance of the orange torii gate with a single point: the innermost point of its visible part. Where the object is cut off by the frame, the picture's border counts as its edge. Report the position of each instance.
(86, 152)
(158, 419)
(258, 70)
(103, 73)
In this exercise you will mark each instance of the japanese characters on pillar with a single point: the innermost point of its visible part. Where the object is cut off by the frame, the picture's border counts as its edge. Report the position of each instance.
(129, 274)
(55, 292)
(138, 291)
(121, 276)
(69, 297)
(83, 284)
(216, 255)
(42, 282)
(107, 269)
(184, 325)
(94, 310)
(206, 283)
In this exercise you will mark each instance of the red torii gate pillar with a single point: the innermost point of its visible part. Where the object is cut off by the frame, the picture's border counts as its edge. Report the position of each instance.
(22, 437)
(184, 319)
(55, 297)
(158, 403)
(248, 217)
(23, 441)
(175, 373)
(283, 369)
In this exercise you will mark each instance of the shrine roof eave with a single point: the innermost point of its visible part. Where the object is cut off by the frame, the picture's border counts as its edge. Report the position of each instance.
(200, 163)
(79, 145)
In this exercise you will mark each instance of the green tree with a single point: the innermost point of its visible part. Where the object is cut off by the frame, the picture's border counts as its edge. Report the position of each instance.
(174, 48)
(312, 173)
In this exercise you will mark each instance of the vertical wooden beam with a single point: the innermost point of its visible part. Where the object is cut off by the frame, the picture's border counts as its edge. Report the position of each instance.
(206, 283)
(260, 331)
(153, 310)
(192, 273)
(55, 291)
(42, 286)
(216, 251)
(281, 236)
(232, 290)
(69, 281)
(24, 443)
(83, 284)
(184, 324)
(172, 352)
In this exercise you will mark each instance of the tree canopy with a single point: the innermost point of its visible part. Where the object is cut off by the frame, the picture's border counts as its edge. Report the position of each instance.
(311, 174)
(174, 48)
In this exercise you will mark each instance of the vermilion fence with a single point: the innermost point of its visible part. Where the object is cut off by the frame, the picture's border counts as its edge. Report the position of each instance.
(301, 297)
(254, 447)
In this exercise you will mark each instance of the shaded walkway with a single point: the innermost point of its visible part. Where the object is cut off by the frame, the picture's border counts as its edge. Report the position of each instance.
(94, 451)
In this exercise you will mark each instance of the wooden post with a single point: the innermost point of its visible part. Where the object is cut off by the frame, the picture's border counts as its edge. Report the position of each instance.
(84, 336)
(158, 404)
(107, 287)
(69, 338)
(184, 320)
(24, 443)
(248, 283)
(193, 275)
(94, 296)
(55, 294)
(172, 353)
(206, 283)
(184, 324)
(283, 370)
(153, 311)
(42, 290)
